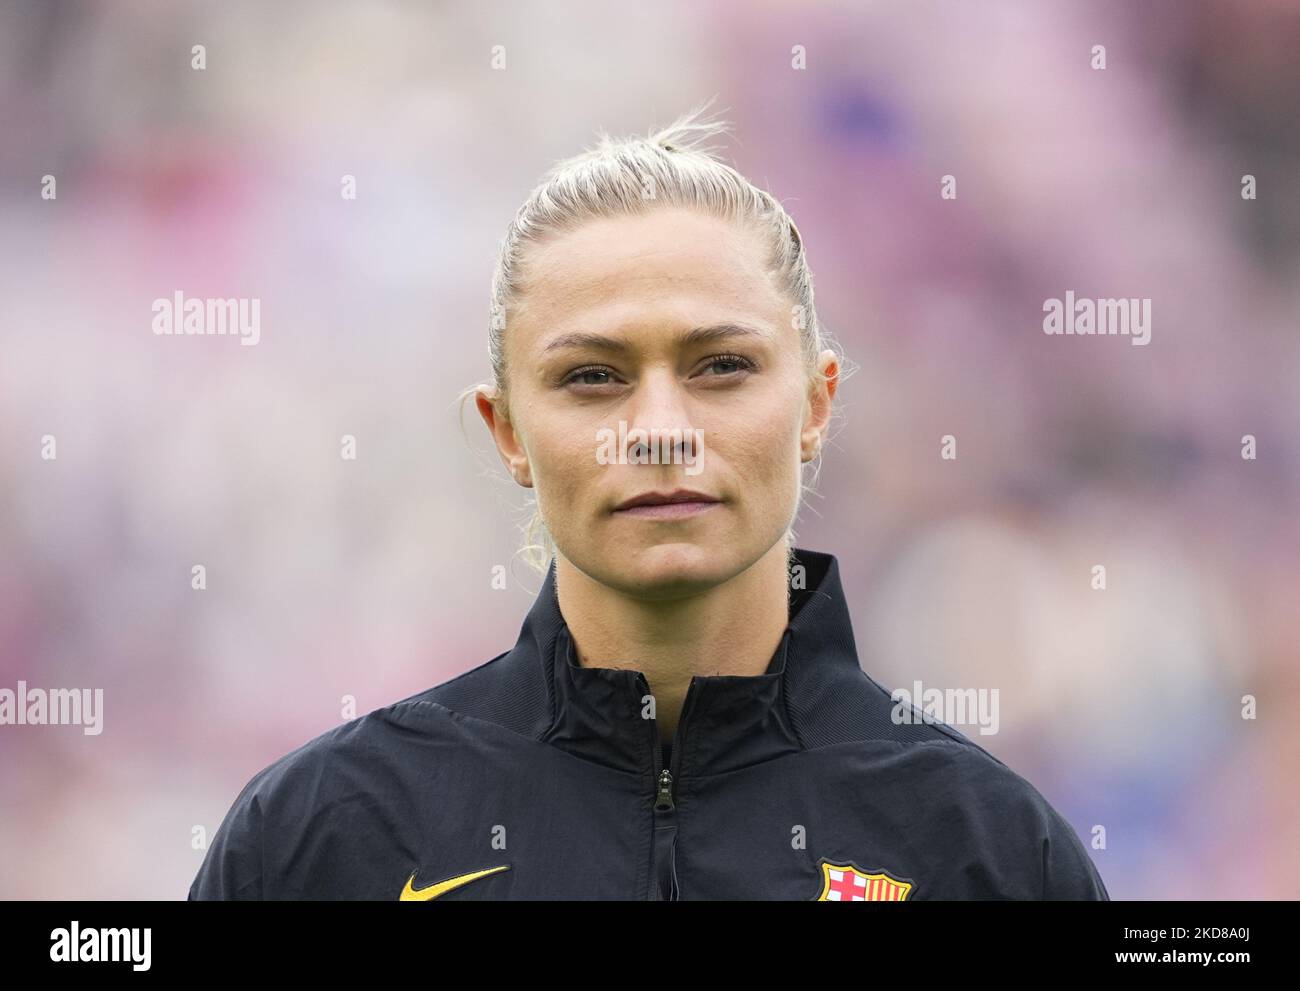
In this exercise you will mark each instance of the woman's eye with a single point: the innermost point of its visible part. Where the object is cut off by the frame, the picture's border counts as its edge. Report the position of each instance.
(580, 376)
(741, 364)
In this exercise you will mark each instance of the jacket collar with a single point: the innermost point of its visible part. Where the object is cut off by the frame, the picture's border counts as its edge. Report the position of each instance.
(727, 721)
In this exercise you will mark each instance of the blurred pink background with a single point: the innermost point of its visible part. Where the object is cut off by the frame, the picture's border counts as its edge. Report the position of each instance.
(370, 578)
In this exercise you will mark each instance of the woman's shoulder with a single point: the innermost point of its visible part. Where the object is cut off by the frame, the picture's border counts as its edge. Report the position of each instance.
(368, 738)
(936, 764)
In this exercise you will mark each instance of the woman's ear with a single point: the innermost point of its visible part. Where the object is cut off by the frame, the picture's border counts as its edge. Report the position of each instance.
(821, 391)
(509, 446)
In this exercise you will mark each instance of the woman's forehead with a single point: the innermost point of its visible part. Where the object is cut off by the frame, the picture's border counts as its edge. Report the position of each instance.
(664, 261)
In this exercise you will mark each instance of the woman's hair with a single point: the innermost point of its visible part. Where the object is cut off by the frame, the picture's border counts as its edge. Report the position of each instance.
(670, 167)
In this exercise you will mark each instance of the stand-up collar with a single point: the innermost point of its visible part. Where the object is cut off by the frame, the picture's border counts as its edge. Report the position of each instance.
(727, 721)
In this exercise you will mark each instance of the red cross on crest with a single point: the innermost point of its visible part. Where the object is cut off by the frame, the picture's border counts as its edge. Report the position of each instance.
(850, 883)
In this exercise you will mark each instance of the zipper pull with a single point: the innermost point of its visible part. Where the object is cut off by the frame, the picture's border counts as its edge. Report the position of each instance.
(664, 799)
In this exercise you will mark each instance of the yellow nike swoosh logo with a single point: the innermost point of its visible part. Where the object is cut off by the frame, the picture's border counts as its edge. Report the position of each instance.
(410, 894)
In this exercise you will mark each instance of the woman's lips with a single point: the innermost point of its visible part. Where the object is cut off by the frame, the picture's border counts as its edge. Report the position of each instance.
(668, 510)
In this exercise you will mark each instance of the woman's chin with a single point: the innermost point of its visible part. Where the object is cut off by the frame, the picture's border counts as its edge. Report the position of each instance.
(675, 566)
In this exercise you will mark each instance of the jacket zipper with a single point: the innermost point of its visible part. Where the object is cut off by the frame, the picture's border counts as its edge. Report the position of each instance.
(665, 803)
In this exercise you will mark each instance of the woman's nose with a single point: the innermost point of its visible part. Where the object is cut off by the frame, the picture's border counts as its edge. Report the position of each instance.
(659, 415)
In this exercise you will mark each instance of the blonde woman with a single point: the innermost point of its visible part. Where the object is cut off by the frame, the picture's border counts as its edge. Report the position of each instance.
(683, 715)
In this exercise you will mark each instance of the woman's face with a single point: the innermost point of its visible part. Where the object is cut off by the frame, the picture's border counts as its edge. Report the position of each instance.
(599, 349)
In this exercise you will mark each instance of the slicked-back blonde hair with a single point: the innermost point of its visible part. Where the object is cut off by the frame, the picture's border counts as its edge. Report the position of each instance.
(671, 167)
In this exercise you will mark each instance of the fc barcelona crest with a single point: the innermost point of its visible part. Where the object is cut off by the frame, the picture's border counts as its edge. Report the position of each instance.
(849, 883)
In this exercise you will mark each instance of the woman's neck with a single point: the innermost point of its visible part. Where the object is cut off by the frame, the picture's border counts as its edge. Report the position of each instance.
(731, 629)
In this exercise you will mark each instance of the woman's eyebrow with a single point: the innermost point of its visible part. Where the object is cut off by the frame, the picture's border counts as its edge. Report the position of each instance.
(699, 335)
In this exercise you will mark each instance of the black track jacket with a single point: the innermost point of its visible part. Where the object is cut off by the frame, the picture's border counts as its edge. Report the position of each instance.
(532, 777)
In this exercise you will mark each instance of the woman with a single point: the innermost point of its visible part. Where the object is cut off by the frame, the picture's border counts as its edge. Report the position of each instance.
(683, 715)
